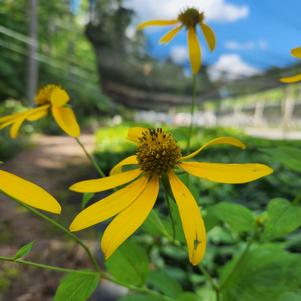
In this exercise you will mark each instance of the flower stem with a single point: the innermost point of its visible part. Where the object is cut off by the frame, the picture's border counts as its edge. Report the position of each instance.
(91, 158)
(212, 282)
(191, 112)
(63, 229)
(45, 266)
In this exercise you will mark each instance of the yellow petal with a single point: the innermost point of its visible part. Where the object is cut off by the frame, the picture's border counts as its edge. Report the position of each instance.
(11, 117)
(127, 161)
(296, 52)
(194, 50)
(38, 113)
(156, 23)
(209, 36)
(127, 222)
(66, 120)
(135, 133)
(191, 218)
(16, 126)
(291, 79)
(170, 35)
(28, 193)
(109, 206)
(106, 183)
(227, 173)
(59, 97)
(216, 141)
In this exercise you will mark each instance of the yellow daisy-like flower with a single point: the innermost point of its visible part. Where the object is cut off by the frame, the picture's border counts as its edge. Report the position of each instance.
(189, 19)
(296, 52)
(28, 193)
(157, 155)
(49, 98)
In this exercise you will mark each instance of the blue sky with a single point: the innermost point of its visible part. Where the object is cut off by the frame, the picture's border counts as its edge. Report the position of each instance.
(256, 34)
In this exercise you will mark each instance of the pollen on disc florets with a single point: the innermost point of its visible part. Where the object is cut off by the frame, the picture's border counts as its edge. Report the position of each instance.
(190, 17)
(43, 95)
(157, 152)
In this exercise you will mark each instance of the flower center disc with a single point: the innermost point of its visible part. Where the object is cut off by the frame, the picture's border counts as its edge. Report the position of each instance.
(191, 17)
(157, 152)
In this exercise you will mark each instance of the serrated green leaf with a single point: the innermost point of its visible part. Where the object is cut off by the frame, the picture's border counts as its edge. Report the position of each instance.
(238, 217)
(86, 198)
(77, 287)
(141, 298)
(129, 264)
(288, 156)
(24, 251)
(164, 283)
(290, 296)
(188, 297)
(262, 274)
(282, 218)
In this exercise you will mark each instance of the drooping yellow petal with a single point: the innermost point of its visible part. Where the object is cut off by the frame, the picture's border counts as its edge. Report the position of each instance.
(38, 113)
(209, 36)
(127, 222)
(16, 126)
(216, 141)
(127, 161)
(66, 120)
(135, 133)
(109, 206)
(59, 97)
(291, 79)
(28, 193)
(296, 52)
(11, 117)
(156, 23)
(227, 173)
(194, 50)
(191, 218)
(170, 35)
(106, 183)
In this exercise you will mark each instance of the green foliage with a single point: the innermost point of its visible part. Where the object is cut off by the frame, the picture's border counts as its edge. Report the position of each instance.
(142, 298)
(76, 287)
(86, 198)
(129, 264)
(282, 219)
(290, 296)
(188, 297)
(24, 251)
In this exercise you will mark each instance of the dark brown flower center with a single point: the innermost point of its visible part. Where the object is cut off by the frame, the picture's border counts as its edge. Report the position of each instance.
(190, 17)
(157, 152)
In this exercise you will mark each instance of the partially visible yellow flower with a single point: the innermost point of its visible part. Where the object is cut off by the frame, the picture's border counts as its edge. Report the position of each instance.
(28, 193)
(49, 98)
(157, 155)
(189, 19)
(296, 52)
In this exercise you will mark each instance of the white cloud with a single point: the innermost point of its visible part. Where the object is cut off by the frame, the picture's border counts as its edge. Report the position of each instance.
(248, 45)
(231, 67)
(179, 54)
(215, 10)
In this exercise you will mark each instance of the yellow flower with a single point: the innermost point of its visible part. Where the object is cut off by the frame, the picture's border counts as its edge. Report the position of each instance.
(188, 19)
(157, 155)
(27, 192)
(49, 98)
(296, 52)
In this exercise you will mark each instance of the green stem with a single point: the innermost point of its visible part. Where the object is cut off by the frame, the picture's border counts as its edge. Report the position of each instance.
(191, 112)
(212, 282)
(240, 260)
(66, 231)
(91, 158)
(44, 266)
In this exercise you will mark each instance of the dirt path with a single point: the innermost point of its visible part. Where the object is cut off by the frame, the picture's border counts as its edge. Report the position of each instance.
(54, 163)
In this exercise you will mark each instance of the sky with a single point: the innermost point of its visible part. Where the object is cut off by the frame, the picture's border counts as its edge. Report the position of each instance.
(252, 35)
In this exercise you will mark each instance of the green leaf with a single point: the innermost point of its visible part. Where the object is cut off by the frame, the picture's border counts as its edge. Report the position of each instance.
(24, 251)
(156, 225)
(290, 296)
(86, 198)
(77, 287)
(164, 283)
(141, 298)
(129, 264)
(288, 156)
(238, 217)
(282, 218)
(188, 297)
(262, 274)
